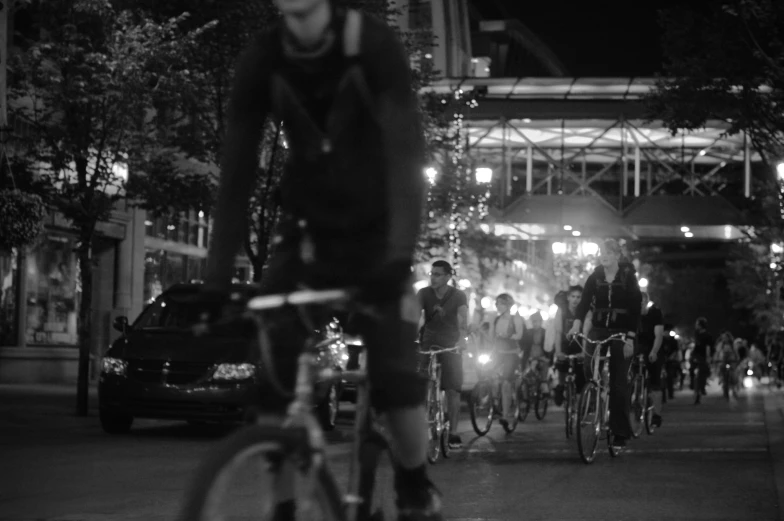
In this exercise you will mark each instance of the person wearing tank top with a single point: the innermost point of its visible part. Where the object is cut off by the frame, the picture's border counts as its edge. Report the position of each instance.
(564, 319)
(507, 333)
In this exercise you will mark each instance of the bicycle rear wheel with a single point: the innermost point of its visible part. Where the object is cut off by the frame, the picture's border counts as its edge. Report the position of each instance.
(433, 422)
(510, 427)
(540, 404)
(650, 428)
(569, 408)
(480, 406)
(588, 422)
(637, 406)
(523, 401)
(238, 479)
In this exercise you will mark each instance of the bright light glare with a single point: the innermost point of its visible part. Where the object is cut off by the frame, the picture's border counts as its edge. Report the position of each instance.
(559, 248)
(643, 283)
(576, 233)
(485, 228)
(649, 304)
(513, 309)
(780, 170)
(773, 265)
(553, 310)
(421, 284)
(728, 232)
(590, 248)
(464, 283)
(431, 174)
(689, 235)
(483, 359)
(545, 315)
(748, 383)
(487, 302)
(776, 248)
(484, 175)
(684, 229)
(672, 334)
(567, 228)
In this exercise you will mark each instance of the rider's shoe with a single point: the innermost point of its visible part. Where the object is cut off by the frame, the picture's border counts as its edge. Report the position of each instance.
(656, 421)
(455, 442)
(285, 511)
(558, 395)
(423, 503)
(619, 443)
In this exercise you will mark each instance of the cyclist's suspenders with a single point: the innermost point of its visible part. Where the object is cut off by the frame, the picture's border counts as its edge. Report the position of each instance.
(354, 73)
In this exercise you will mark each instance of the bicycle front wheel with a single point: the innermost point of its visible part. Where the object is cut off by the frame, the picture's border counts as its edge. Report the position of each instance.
(242, 477)
(569, 408)
(589, 420)
(433, 422)
(638, 405)
(540, 405)
(480, 407)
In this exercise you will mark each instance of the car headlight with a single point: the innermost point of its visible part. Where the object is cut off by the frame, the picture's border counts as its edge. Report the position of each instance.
(114, 366)
(483, 359)
(234, 372)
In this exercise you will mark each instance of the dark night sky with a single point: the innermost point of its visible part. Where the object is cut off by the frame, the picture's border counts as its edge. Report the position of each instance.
(593, 38)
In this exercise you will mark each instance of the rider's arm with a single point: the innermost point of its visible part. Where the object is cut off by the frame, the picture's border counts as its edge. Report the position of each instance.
(658, 332)
(388, 69)
(558, 331)
(634, 311)
(519, 328)
(462, 320)
(247, 111)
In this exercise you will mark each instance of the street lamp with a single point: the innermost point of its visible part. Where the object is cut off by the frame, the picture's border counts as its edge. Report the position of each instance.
(643, 283)
(484, 175)
(431, 174)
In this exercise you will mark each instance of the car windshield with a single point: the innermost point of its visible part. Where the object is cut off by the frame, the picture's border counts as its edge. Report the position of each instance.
(173, 312)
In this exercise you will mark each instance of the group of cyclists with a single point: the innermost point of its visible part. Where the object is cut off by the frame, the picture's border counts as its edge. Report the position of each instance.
(352, 199)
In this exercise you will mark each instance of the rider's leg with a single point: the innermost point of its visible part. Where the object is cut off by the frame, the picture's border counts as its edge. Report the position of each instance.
(620, 404)
(508, 366)
(452, 383)
(398, 393)
(654, 388)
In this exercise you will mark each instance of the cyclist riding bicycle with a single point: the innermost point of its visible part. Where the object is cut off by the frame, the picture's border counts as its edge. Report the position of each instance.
(445, 324)
(507, 332)
(533, 344)
(351, 198)
(564, 319)
(649, 343)
(613, 292)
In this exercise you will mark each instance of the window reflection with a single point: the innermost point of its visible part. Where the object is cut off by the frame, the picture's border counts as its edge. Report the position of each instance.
(53, 292)
(9, 270)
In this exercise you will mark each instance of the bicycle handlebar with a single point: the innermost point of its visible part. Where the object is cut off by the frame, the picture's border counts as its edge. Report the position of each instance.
(441, 349)
(616, 336)
(300, 298)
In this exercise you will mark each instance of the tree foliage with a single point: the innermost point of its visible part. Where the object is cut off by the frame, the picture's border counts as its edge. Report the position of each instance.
(724, 60)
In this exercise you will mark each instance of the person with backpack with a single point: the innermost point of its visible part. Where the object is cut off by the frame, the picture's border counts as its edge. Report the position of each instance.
(507, 333)
(613, 295)
(445, 324)
(352, 195)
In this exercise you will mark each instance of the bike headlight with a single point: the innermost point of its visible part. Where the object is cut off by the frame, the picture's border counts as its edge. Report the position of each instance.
(483, 359)
(116, 366)
(234, 372)
(749, 372)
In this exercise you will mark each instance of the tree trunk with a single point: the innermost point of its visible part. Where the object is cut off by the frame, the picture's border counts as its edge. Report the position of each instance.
(84, 254)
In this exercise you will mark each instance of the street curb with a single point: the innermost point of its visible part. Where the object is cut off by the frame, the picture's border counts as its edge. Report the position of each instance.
(774, 425)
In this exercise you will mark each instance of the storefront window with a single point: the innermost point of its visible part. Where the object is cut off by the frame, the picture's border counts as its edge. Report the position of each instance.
(9, 271)
(53, 292)
(163, 269)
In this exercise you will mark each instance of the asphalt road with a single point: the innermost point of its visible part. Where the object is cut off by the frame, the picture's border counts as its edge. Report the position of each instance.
(714, 461)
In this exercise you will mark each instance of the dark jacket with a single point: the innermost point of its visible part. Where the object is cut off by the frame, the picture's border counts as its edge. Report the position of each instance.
(356, 149)
(615, 304)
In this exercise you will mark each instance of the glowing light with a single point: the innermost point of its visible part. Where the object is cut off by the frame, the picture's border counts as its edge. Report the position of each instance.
(431, 174)
(553, 310)
(483, 359)
(650, 304)
(484, 175)
(485, 228)
(703, 152)
(672, 334)
(148, 223)
(545, 315)
(513, 309)
(748, 383)
(773, 265)
(777, 248)
(684, 229)
(421, 284)
(728, 232)
(576, 233)
(689, 235)
(643, 283)
(486, 302)
(559, 248)
(201, 214)
(780, 171)
(590, 248)
(464, 283)
(567, 227)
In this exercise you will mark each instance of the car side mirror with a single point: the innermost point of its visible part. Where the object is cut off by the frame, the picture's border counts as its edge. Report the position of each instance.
(121, 324)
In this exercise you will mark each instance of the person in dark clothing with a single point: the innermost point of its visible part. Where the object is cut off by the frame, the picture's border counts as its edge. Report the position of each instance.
(352, 196)
(650, 343)
(701, 357)
(613, 294)
(564, 319)
(672, 356)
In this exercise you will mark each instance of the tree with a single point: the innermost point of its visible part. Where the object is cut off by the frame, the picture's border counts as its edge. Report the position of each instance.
(89, 88)
(725, 60)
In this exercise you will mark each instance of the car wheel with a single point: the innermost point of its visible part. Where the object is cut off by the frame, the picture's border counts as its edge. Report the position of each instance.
(115, 423)
(328, 409)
